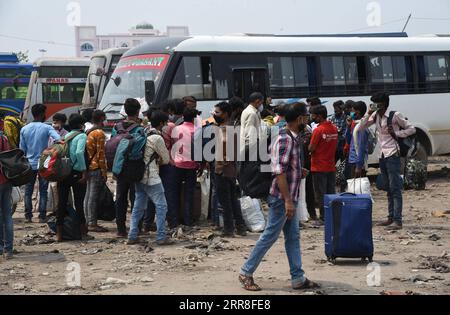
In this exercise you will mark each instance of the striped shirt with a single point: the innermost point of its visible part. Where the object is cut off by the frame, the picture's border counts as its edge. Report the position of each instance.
(286, 159)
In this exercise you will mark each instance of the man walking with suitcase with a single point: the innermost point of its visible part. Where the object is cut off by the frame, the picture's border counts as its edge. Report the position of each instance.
(284, 195)
(388, 135)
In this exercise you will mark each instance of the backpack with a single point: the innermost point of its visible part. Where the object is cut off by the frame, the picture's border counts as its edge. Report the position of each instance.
(15, 166)
(12, 127)
(71, 227)
(106, 210)
(129, 159)
(255, 183)
(405, 144)
(112, 144)
(416, 175)
(54, 163)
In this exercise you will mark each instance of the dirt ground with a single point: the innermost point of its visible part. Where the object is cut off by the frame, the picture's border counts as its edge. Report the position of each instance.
(414, 260)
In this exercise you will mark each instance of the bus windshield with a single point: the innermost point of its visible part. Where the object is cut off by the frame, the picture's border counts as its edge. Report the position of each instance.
(133, 72)
(63, 93)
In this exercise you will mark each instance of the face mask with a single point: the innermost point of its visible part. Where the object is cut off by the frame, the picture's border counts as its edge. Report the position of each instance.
(353, 116)
(261, 108)
(172, 118)
(219, 120)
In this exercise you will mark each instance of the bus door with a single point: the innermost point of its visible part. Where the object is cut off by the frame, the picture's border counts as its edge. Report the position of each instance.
(247, 81)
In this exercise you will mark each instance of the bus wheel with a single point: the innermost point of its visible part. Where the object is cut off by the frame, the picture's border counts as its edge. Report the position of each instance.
(421, 153)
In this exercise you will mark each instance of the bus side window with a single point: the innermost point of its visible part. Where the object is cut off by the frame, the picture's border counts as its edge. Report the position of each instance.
(193, 78)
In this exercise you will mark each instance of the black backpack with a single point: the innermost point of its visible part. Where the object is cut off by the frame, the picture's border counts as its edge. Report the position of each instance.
(253, 182)
(405, 144)
(15, 166)
(106, 210)
(71, 227)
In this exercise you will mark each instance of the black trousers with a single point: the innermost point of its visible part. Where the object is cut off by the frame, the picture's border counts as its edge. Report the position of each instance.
(324, 184)
(123, 189)
(226, 191)
(79, 192)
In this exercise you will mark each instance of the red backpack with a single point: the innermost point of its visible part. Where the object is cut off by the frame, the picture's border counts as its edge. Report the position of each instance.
(54, 164)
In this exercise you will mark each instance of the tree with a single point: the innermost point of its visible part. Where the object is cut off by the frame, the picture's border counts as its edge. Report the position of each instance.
(23, 56)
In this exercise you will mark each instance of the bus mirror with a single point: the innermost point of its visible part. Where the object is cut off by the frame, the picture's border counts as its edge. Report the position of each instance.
(150, 92)
(91, 90)
(117, 81)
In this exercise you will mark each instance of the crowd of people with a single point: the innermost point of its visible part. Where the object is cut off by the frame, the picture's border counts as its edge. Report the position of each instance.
(305, 144)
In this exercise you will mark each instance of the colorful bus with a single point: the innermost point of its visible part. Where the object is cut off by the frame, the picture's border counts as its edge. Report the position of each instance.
(103, 64)
(58, 83)
(14, 81)
(414, 70)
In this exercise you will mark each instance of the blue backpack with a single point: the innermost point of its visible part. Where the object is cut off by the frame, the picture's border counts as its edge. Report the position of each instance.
(129, 158)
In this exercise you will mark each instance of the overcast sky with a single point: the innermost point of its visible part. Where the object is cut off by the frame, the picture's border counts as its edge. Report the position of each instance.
(46, 20)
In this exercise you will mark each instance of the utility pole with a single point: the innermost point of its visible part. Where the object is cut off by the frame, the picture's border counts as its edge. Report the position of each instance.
(409, 18)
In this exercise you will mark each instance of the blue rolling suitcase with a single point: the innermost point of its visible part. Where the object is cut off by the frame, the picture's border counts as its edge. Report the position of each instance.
(348, 226)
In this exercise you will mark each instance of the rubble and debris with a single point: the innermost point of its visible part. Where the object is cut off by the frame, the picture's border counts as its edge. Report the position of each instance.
(92, 251)
(438, 264)
(434, 237)
(36, 239)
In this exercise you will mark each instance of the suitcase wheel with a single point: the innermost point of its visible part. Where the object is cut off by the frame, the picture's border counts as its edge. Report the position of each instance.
(371, 259)
(332, 260)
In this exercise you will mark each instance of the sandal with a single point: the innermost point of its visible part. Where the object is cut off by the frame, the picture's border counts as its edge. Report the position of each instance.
(248, 283)
(308, 285)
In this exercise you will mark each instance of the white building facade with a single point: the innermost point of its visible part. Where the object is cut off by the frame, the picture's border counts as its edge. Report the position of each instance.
(88, 42)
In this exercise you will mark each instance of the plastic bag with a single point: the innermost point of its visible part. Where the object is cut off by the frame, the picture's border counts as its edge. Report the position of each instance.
(205, 184)
(252, 213)
(302, 209)
(359, 186)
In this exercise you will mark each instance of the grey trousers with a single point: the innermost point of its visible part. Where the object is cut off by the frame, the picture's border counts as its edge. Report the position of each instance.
(94, 186)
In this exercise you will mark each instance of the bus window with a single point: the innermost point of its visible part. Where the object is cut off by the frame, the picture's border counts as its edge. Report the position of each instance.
(436, 68)
(301, 72)
(10, 93)
(333, 71)
(193, 78)
(63, 72)
(381, 69)
(281, 72)
(399, 68)
(62, 93)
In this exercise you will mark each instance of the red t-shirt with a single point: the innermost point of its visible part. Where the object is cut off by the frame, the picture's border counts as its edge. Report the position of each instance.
(325, 137)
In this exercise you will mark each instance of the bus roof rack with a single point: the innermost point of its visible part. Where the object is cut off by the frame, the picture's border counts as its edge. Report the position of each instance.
(393, 34)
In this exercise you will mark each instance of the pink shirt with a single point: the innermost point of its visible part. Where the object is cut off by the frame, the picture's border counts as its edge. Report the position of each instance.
(167, 136)
(388, 145)
(181, 149)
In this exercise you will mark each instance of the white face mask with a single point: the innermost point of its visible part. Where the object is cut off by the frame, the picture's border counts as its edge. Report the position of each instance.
(261, 108)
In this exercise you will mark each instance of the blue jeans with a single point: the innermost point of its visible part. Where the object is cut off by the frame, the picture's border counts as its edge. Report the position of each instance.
(43, 190)
(390, 170)
(156, 194)
(168, 178)
(277, 222)
(6, 221)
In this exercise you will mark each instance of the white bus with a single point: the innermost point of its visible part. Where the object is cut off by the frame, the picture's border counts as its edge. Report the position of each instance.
(58, 83)
(103, 64)
(415, 71)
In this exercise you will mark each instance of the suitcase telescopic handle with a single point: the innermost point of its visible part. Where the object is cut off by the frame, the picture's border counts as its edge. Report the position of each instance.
(347, 193)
